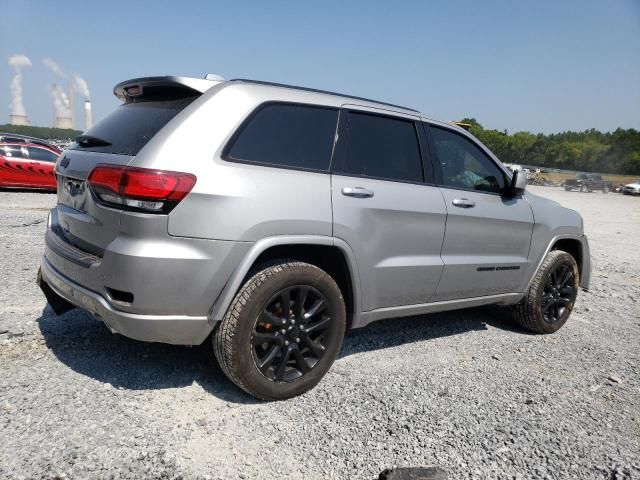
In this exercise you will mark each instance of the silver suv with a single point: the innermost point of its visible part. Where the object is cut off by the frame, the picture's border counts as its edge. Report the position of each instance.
(275, 217)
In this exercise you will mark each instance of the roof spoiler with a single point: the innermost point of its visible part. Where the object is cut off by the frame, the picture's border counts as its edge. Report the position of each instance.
(129, 90)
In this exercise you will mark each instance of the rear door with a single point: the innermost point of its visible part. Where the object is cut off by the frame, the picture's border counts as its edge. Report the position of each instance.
(42, 163)
(386, 207)
(486, 243)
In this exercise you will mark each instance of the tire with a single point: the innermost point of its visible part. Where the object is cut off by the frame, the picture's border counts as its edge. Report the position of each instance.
(255, 313)
(568, 189)
(534, 312)
(584, 189)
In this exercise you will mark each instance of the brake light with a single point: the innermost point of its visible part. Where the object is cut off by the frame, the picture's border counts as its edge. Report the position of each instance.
(140, 189)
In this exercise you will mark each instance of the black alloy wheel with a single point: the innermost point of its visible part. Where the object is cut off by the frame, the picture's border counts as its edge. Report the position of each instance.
(558, 294)
(283, 330)
(289, 337)
(551, 295)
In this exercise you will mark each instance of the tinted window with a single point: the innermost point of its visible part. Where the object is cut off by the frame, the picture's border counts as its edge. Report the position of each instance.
(130, 126)
(380, 147)
(289, 136)
(12, 152)
(12, 139)
(465, 165)
(41, 154)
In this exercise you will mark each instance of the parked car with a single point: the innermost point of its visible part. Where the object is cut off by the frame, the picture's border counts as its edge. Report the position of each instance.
(27, 165)
(274, 217)
(17, 138)
(631, 188)
(587, 182)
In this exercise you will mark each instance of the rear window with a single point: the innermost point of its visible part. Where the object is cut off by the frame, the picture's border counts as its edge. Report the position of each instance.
(287, 135)
(130, 126)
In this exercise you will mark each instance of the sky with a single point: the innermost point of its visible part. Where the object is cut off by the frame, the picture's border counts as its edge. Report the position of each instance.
(542, 66)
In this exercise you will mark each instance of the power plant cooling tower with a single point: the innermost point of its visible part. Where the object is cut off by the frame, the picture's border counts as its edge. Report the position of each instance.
(18, 120)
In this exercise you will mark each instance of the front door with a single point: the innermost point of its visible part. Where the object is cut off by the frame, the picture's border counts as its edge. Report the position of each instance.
(384, 208)
(488, 234)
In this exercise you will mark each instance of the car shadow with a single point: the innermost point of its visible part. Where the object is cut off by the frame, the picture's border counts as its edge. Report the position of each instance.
(399, 331)
(85, 345)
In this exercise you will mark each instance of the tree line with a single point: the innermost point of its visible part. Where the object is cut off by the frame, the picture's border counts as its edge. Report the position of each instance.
(588, 151)
(44, 133)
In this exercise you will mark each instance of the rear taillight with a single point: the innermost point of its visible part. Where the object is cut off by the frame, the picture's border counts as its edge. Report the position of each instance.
(142, 189)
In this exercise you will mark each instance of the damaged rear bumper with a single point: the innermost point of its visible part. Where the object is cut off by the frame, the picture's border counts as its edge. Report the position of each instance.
(63, 294)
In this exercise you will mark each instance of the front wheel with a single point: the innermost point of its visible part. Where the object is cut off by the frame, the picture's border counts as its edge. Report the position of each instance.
(282, 331)
(551, 296)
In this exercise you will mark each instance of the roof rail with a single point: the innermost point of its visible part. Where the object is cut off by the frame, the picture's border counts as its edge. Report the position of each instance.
(315, 90)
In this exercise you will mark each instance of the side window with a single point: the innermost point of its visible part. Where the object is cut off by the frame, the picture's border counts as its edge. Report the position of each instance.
(36, 153)
(380, 147)
(11, 152)
(464, 164)
(287, 135)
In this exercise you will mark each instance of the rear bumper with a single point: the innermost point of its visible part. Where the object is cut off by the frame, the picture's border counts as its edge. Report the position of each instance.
(145, 284)
(174, 329)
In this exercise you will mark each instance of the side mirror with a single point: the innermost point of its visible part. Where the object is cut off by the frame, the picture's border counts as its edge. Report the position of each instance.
(518, 182)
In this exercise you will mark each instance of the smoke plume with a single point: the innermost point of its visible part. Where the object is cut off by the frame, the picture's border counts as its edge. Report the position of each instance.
(18, 62)
(54, 67)
(81, 86)
(79, 83)
(61, 104)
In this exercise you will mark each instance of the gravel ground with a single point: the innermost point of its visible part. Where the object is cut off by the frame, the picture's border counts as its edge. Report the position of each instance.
(463, 390)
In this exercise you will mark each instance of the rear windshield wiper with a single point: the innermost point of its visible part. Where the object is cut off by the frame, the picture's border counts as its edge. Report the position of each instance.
(86, 141)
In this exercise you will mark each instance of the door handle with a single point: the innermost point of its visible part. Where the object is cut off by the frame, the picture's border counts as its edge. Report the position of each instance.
(357, 192)
(463, 203)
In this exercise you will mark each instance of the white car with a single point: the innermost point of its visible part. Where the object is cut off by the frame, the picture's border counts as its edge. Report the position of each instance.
(632, 188)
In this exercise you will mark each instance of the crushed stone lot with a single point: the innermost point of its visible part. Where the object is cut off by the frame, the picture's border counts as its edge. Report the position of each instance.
(465, 390)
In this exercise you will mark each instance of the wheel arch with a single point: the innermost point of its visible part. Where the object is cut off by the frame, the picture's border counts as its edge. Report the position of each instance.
(578, 248)
(331, 254)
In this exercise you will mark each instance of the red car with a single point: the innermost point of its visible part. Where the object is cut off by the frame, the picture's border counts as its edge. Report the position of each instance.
(28, 165)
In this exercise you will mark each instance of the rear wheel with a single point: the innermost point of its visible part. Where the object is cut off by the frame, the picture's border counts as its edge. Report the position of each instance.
(584, 188)
(551, 296)
(282, 332)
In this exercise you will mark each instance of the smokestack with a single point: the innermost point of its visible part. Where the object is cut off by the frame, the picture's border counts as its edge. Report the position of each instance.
(72, 103)
(18, 113)
(88, 120)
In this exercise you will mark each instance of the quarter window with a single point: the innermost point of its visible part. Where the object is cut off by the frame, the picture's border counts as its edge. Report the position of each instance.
(464, 165)
(380, 147)
(287, 135)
